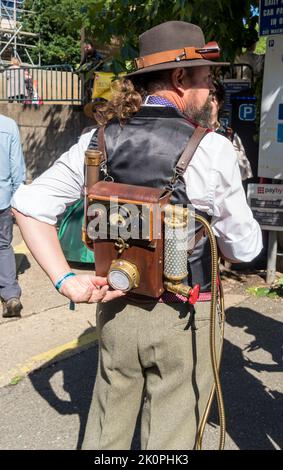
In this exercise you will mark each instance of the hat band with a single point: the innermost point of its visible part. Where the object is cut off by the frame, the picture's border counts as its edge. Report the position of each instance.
(210, 51)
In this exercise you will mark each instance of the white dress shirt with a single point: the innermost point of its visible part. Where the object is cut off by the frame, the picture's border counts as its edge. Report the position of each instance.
(213, 185)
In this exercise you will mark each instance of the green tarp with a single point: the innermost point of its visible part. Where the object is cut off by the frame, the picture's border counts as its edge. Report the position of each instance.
(70, 235)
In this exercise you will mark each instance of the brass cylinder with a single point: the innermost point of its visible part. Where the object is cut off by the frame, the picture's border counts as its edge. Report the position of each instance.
(93, 159)
(176, 216)
(178, 288)
(176, 243)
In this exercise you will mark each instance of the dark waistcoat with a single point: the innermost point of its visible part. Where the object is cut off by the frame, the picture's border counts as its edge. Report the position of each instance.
(145, 152)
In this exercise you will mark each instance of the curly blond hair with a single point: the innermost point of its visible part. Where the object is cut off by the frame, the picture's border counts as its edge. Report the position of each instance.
(126, 101)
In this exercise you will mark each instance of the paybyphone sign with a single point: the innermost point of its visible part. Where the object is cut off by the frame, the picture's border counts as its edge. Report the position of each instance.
(266, 202)
(271, 17)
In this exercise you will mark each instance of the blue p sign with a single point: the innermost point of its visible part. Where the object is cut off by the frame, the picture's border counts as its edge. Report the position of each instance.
(247, 112)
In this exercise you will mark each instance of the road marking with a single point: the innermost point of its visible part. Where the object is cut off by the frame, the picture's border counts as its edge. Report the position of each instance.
(84, 340)
(57, 353)
(21, 249)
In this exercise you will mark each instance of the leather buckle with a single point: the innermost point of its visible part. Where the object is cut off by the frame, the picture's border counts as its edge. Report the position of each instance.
(181, 56)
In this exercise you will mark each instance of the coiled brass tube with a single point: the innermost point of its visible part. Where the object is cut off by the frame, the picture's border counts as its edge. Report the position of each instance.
(215, 364)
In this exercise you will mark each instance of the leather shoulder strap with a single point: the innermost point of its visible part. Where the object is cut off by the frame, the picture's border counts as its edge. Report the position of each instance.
(186, 156)
(190, 149)
(101, 142)
(197, 237)
(183, 161)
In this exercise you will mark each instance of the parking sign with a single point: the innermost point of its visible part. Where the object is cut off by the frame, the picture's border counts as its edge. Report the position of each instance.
(247, 112)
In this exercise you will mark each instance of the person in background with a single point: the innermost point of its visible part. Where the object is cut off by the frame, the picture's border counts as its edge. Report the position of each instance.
(91, 61)
(217, 101)
(250, 57)
(29, 86)
(91, 58)
(16, 86)
(12, 174)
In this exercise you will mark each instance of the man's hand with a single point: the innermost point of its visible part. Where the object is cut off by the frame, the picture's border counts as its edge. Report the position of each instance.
(88, 288)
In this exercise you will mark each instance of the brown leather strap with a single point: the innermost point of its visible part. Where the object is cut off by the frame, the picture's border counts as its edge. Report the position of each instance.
(210, 50)
(101, 142)
(197, 238)
(186, 53)
(190, 149)
(185, 158)
(182, 165)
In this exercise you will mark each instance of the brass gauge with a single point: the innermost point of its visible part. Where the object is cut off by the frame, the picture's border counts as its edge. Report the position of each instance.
(123, 275)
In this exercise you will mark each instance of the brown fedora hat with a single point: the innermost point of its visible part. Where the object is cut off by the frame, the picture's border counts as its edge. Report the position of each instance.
(174, 44)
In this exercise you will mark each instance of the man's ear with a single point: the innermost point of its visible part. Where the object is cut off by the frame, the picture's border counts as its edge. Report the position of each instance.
(177, 79)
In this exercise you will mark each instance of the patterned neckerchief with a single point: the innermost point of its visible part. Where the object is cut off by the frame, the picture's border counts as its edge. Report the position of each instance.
(158, 101)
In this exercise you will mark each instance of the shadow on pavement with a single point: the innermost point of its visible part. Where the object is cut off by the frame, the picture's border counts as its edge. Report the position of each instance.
(79, 373)
(254, 412)
(22, 263)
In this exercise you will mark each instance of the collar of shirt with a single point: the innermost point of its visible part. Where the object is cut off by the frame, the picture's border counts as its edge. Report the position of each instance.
(154, 100)
(158, 101)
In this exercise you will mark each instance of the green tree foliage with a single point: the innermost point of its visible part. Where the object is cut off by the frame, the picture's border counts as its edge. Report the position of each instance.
(221, 20)
(261, 45)
(59, 23)
(58, 42)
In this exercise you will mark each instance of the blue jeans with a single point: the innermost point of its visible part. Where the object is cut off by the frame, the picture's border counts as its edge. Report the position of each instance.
(9, 286)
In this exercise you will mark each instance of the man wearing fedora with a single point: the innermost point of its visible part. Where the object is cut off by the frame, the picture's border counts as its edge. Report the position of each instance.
(154, 353)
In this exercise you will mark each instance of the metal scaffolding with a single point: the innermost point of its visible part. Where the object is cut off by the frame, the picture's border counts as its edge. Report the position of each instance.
(13, 40)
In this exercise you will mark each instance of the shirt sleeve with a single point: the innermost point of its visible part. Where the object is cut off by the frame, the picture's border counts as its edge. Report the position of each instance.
(61, 185)
(244, 164)
(17, 163)
(215, 187)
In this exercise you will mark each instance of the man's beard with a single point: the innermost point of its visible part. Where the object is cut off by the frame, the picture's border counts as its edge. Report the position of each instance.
(201, 116)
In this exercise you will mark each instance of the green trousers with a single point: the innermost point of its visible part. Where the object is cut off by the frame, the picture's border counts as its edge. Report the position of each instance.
(156, 357)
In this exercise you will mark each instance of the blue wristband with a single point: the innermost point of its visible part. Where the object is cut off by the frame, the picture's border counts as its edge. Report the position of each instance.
(62, 279)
